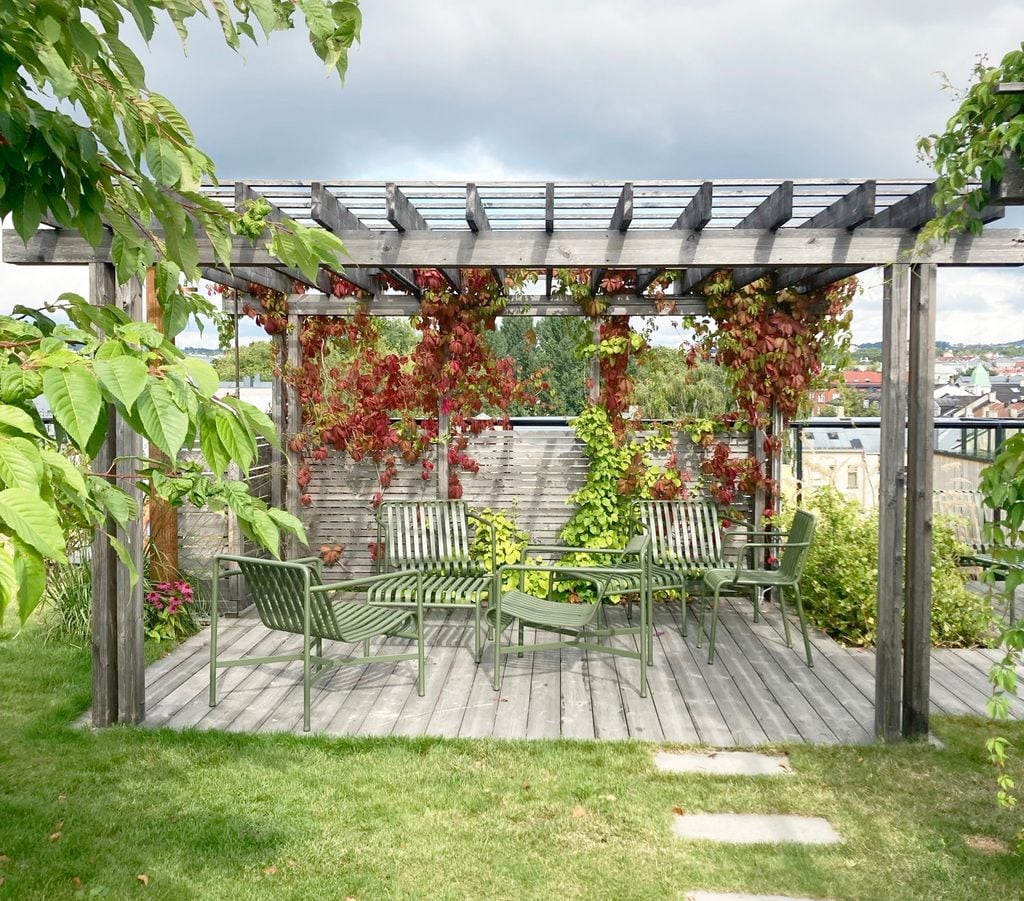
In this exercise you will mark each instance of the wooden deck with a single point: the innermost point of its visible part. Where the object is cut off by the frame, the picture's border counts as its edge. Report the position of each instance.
(757, 691)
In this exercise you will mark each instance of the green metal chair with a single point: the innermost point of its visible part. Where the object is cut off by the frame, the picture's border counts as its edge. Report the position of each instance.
(290, 596)
(430, 541)
(686, 541)
(795, 550)
(581, 623)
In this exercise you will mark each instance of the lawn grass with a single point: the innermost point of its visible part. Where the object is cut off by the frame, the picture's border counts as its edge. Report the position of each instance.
(226, 816)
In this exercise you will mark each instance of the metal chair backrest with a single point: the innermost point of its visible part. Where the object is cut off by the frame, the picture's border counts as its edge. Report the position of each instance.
(683, 532)
(424, 535)
(278, 591)
(966, 514)
(798, 545)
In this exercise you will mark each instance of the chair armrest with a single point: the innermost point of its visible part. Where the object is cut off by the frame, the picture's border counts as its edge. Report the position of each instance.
(545, 568)
(368, 581)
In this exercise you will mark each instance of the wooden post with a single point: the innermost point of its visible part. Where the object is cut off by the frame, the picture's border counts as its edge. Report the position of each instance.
(293, 415)
(163, 518)
(103, 291)
(277, 414)
(892, 481)
(920, 453)
(444, 425)
(595, 362)
(131, 636)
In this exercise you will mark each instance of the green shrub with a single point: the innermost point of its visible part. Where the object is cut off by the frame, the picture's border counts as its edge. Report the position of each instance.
(840, 583)
(66, 611)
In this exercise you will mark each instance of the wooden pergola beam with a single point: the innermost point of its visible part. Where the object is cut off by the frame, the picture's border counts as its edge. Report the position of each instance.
(847, 212)
(622, 216)
(328, 212)
(476, 219)
(771, 214)
(404, 305)
(694, 217)
(404, 216)
(639, 248)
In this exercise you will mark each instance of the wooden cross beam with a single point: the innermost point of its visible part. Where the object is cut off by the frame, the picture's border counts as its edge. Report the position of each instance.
(849, 211)
(327, 211)
(228, 279)
(770, 214)
(404, 216)
(244, 195)
(911, 212)
(622, 216)
(476, 219)
(694, 217)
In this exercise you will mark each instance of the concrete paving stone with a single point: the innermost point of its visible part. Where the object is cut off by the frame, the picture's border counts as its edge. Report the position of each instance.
(755, 828)
(723, 763)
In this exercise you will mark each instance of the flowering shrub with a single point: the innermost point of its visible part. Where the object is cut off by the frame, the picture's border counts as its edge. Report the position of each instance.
(168, 611)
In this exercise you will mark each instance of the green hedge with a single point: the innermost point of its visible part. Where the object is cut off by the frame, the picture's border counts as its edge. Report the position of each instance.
(840, 584)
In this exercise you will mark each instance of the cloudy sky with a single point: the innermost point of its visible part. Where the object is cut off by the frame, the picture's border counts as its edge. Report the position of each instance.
(577, 89)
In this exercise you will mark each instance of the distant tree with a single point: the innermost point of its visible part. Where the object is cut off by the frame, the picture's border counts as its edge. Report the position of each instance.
(256, 359)
(666, 388)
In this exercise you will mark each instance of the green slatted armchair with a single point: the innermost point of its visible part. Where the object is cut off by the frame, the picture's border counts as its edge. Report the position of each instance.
(430, 541)
(796, 547)
(686, 541)
(290, 596)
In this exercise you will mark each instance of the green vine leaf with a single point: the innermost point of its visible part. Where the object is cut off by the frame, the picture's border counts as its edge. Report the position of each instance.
(165, 423)
(124, 377)
(33, 521)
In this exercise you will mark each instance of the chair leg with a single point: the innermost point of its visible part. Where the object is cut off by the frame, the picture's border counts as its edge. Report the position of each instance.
(757, 604)
(213, 643)
(497, 656)
(645, 640)
(366, 647)
(478, 647)
(714, 628)
(420, 677)
(305, 682)
(703, 608)
(803, 625)
(682, 612)
(785, 616)
(521, 638)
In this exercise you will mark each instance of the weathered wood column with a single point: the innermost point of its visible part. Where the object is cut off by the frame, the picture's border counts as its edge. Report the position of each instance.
(293, 425)
(920, 462)
(131, 635)
(594, 394)
(444, 425)
(892, 481)
(103, 291)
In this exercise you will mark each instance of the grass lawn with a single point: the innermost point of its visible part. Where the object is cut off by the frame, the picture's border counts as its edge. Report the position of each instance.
(226, 816)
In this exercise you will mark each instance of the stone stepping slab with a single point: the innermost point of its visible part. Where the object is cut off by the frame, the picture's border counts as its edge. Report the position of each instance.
(722, 763)
(755, 828)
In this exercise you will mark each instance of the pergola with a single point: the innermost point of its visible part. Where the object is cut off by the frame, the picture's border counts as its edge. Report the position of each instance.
(806, 234)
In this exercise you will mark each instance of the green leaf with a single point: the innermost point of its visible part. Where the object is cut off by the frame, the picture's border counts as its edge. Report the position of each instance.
(164, 422)
(237, 440)
(64, 82)
(71, 473)
(256, 419)
(162, 160)
(8, 578)
(124, 377)
(33, 521)
(203, 375)
(294, 526)
(30, 572)
(20, 464)
(264, 531)
(76, 400)
(114, 501)
(217, 458)
(126, 60)
(14, 419)
(126, 560)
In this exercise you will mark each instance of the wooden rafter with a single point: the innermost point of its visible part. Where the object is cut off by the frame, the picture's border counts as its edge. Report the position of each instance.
(847, 212)
(476, 219)
(404, 216)
(770, 214)
(622, 218)
(328, 212)
(694, 217)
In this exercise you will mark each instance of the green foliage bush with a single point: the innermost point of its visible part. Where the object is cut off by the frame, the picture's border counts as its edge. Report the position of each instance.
(511, 542)
(840, 583)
